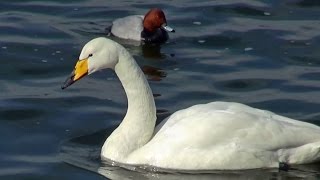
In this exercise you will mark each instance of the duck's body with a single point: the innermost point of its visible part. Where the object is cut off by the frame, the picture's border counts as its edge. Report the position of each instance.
(150, 28)
(129, 27)
(214, 136)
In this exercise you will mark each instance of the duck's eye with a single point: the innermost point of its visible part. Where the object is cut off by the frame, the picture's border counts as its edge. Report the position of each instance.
(90, 55)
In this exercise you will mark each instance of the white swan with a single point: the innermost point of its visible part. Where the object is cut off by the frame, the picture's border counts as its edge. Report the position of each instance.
(213, 136)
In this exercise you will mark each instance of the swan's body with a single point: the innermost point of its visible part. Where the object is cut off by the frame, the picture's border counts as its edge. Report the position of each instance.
(217, 135)
(226, 135)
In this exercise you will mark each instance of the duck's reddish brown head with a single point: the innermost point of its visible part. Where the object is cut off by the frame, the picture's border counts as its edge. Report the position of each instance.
(155, 19)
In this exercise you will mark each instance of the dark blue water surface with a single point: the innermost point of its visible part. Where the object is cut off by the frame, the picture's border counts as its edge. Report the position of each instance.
(262, 53)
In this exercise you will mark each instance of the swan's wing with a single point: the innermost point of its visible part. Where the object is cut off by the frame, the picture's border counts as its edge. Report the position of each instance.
(129, 27)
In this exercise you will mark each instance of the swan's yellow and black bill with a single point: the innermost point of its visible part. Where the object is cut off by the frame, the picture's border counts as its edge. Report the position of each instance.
(79, 71)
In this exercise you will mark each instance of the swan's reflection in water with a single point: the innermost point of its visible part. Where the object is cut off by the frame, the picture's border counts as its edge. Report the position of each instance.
(84, 152)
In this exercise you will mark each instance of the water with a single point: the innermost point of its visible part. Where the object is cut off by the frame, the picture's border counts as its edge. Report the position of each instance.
(261, 53)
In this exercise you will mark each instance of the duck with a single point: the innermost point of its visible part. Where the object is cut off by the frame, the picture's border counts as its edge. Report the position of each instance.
(150, 28)
(214, 136)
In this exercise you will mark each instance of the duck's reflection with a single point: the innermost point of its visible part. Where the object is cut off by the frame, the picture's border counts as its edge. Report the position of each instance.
(152, 51)
(153, 73)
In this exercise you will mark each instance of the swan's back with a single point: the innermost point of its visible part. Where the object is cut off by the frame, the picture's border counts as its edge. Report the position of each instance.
(212, 111)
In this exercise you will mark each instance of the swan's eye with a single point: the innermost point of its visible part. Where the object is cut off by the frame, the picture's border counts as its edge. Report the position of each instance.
(90, 55)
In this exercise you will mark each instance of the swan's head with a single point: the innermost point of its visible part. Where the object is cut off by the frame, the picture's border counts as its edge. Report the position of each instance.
(97, 54)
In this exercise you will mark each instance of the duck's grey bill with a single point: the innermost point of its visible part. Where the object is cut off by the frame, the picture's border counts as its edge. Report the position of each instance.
(168, 28)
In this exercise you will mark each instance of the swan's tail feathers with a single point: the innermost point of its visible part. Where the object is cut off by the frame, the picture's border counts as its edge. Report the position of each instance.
(308, 153)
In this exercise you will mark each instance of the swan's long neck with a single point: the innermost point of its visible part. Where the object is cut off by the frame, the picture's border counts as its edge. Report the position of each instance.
(137, 127)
